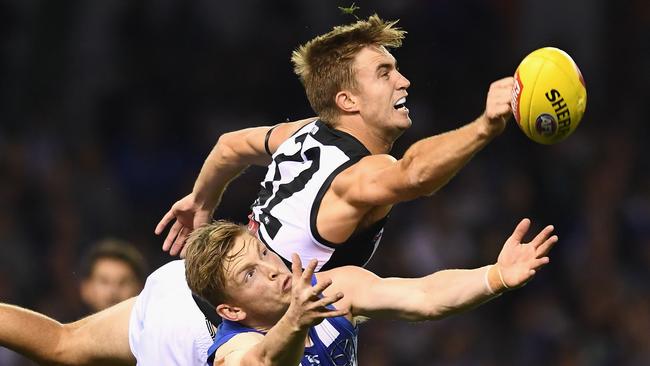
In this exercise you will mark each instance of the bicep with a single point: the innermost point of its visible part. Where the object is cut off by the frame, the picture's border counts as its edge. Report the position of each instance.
(376, 180)
(252, 145)
(376, 297)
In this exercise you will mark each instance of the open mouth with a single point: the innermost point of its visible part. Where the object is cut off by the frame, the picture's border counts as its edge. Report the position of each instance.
(400, 104)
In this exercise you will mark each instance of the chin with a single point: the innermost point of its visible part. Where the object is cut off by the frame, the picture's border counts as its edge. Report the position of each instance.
(404, 124)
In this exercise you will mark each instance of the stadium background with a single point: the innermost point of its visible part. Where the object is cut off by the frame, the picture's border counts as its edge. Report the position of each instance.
(108, 108)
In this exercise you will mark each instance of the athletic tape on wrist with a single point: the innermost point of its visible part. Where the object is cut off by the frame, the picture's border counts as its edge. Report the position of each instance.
(501, 278)
(487, 282)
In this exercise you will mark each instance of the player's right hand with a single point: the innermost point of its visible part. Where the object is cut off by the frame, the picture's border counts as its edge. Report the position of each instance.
(308, 305)
(188, 215)
(497, 105)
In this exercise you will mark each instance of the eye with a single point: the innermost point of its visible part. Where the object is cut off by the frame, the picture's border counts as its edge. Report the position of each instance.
(385, 75)
(264, 252)
(249, 275)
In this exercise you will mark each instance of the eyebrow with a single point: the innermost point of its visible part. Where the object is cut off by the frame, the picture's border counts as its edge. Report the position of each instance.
(238, 273)
(259, 246)
(387, 66)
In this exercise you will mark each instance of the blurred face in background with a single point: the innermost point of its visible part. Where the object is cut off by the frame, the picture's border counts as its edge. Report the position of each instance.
(110, 281)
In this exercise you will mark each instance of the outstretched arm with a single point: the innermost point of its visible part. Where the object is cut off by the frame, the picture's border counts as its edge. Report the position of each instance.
(447, 292)
(232, 154)
(100, 339)
(428, 164)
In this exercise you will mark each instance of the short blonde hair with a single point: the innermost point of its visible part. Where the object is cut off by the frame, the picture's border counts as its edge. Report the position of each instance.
(208, 250)
(325, 64)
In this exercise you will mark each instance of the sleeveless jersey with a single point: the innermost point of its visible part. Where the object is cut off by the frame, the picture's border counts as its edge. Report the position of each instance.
(334, 341)
(166, 327)
(285, 211)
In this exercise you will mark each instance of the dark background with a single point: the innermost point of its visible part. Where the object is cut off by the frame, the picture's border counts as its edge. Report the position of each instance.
(108, 108)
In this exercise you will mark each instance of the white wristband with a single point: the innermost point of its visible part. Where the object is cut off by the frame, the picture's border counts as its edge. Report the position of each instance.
(487, 282)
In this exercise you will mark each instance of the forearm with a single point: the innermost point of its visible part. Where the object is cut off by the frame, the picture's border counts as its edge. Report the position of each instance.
(31, 334)
(283, 345)
(430, 163)
(452, 291)
(222, 165)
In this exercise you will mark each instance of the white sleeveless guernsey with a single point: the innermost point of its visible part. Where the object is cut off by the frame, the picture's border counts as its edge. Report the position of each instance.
(166, 326)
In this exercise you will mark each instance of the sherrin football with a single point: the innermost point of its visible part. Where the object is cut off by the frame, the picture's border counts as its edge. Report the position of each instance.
(549, 96)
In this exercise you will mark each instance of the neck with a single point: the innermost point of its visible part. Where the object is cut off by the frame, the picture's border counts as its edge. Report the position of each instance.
(376, 140)
(263, 324)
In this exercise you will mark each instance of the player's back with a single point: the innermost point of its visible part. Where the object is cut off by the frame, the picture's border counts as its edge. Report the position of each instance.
(166, 326)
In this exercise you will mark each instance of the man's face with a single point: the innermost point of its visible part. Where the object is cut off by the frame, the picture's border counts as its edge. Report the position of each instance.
(110, 282)
(381, 90)
(257, 280)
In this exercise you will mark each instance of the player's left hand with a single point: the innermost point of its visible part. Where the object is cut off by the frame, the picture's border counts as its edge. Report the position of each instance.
(189, 215)
(518, 262)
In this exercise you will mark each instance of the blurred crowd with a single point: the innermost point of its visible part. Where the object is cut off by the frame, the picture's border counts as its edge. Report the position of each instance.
(107, 110)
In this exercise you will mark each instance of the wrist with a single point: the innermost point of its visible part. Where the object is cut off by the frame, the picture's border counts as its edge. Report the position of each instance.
(494, 280)
(202, 202)
(488, 129)
(291, 321)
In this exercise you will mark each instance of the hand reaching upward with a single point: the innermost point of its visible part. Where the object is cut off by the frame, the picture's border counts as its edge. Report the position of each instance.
(518, 262)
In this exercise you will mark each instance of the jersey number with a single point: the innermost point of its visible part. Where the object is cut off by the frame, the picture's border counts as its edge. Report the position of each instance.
(286, 190)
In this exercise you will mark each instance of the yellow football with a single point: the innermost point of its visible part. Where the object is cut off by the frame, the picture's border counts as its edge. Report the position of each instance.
(549, 97)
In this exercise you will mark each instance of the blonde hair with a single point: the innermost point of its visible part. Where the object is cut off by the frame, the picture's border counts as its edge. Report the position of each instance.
(325, 64)
(208, 250)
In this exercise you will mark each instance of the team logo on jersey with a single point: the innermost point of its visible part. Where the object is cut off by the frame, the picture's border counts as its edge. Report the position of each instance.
(312, 359)
(211, 329)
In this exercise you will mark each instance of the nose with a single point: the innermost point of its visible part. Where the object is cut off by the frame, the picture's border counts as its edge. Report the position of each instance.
(402, 82)
(271, 270)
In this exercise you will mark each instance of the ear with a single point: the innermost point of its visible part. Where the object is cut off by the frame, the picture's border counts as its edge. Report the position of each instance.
(347, 101)
(232, 313)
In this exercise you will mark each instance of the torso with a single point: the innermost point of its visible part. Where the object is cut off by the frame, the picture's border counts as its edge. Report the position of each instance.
(290, 206)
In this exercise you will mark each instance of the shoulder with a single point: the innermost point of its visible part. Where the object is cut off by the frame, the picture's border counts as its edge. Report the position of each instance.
(173, 271)
(366, 166)
(282, 131)
(362, 175)
(237, 346)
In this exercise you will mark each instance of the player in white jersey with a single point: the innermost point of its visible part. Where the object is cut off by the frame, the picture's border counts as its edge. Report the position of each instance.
(363, 95)
(145, 330)
(159, 334)
(331, 183)
(156, 328)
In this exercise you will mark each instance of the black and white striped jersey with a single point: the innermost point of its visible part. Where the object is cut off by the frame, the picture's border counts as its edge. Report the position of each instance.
(302, 170)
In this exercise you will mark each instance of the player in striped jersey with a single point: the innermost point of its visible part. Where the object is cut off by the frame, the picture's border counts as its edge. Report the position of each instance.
(331, 182)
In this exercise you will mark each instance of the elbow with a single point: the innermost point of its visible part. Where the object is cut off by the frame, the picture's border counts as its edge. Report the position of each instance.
(64, 351)
(224, 147)
(440, 312)
(427, 177)
(421, 179)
